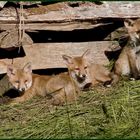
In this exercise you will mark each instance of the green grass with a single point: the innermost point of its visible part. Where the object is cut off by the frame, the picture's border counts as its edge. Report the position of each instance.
(99, 113)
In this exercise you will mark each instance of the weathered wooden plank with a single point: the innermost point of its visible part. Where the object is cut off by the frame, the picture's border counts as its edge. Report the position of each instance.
(85, 10)
(64, 16)
(67, 26)
(49, 55)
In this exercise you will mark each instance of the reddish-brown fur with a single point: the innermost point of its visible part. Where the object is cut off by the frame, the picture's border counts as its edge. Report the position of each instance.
(57, 89)
(84, 72)
(129, 60)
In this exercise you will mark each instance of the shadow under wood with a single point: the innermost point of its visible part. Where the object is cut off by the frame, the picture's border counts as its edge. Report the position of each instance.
(52, 71)
(2, 76)
(113, 55)
(82, 35)
(16, 4)
(12, 52)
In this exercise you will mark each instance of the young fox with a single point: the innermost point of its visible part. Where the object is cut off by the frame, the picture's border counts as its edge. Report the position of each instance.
(133, 28)
(85, 73)
(128, 62)
(58, 89)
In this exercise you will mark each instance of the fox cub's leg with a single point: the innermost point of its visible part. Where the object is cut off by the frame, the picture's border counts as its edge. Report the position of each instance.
(133, 65)
(26, 96)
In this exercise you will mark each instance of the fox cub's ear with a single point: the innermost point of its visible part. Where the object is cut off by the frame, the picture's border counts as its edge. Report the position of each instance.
(11, 70)
(67, 59)
(86, 53)
(28, 67)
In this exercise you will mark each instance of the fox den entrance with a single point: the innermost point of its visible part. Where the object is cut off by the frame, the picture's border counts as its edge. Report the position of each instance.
(78, 35)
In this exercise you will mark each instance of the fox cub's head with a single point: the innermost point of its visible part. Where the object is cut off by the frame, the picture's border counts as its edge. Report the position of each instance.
(78, 66)
(133, 28)
(21, 79)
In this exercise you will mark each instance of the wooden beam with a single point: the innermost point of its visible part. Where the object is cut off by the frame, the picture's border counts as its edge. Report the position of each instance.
(67, 26)
(62, 11)
(62, 16)
(49, 55)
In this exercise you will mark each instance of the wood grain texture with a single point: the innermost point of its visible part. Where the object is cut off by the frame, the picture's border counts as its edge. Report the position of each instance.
(63, 16)
(66, 26)
(49, 55)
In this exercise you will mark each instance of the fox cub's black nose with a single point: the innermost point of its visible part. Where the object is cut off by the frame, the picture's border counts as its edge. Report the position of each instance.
(22, 89)
(83, 75)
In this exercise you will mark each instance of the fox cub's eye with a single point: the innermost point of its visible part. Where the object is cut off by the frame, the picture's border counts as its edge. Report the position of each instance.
(17, 82)
(25, 81)
(76, 68)
(85, 67)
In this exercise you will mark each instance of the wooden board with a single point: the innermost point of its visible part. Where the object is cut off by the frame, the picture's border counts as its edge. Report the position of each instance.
(64, 16)
(66, 26)
(49, 55)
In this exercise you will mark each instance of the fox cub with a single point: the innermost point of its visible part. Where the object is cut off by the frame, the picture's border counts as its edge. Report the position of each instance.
(133, 28)
(85, 73)
(58, 88)
(128, 63)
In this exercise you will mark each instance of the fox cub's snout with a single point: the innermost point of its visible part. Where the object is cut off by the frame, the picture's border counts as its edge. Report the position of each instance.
(80, 73)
